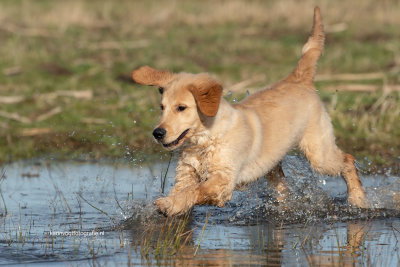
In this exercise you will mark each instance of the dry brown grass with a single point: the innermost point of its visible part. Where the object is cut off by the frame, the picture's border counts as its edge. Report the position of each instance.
(364, 15)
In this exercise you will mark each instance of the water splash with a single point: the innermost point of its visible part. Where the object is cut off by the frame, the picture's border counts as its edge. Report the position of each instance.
(309, 200)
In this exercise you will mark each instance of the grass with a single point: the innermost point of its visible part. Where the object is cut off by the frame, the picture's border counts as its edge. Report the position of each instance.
(4, 212)
(166, 241)
(52, 47)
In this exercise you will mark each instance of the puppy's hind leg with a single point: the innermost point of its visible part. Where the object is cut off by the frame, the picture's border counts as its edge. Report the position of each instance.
(276, 178)
(356, 194)
(318, 144)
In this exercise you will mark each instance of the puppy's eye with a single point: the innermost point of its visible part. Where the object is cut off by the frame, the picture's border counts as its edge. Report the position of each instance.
(161, 107)
(161, 90)
(180, 108)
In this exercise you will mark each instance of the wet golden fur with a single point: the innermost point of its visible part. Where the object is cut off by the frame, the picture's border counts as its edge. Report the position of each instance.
(223, 146)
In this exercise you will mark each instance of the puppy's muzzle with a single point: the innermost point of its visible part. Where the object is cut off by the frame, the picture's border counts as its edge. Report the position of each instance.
(159, 133)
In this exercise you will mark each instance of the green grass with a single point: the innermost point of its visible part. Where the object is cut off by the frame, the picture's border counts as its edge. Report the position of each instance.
(168, 240)
(85, 45)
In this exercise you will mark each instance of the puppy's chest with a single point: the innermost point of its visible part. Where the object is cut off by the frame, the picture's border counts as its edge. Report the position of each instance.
(201, 159)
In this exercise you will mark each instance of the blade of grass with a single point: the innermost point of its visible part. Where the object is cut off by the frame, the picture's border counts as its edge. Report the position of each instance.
(202, 233)
(163, 180)
(105, 213)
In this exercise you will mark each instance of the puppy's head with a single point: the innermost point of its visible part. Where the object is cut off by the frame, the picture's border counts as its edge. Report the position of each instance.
(187, 101)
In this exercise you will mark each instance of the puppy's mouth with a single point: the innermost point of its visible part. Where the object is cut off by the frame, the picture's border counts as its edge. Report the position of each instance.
(177, 140)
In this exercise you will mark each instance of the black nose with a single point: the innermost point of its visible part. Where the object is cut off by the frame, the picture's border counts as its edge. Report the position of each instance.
(159, 133)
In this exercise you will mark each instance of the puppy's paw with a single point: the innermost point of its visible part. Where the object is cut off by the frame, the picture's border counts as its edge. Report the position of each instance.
(359, 201)
(169, 207)
(163, 204)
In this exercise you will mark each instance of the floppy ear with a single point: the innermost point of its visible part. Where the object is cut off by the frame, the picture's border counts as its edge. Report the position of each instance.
(149, 76)
(207, 95)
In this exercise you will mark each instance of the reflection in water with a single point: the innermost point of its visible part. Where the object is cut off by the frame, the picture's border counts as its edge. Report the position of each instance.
(346, 254)
(345, 244)
(340, 244)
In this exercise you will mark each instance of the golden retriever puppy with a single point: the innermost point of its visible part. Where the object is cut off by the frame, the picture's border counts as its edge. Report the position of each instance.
(223, 146)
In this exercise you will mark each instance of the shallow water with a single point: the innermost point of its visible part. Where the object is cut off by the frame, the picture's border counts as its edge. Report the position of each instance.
(83, 214)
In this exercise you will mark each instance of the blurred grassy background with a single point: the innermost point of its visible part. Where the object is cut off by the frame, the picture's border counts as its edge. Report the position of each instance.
(65, 66)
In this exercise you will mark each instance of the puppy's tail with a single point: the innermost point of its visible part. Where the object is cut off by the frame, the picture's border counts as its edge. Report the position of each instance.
(305, 70)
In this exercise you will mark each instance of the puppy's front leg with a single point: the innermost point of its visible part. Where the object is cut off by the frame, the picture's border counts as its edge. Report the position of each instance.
(179, 203)
(185, 179)
(216, 190)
